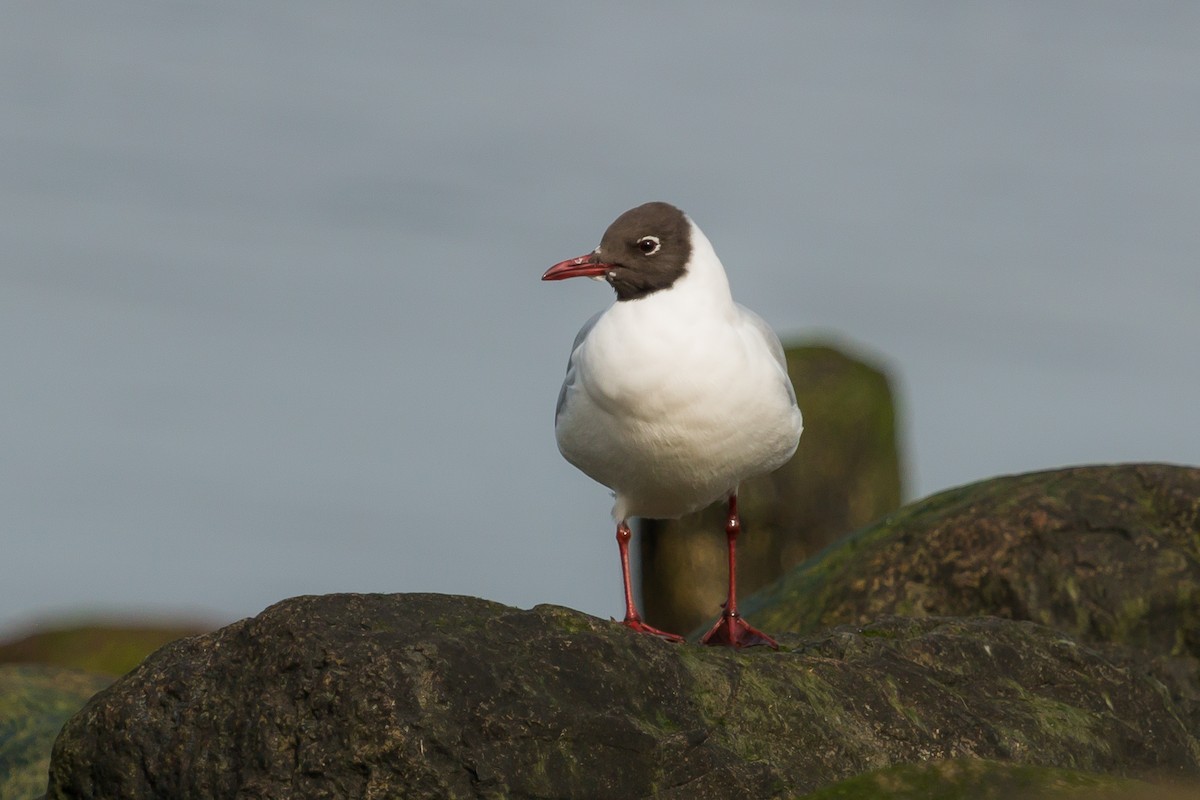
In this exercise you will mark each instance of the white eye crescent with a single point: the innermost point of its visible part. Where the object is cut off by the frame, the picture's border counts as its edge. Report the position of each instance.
(649, 245)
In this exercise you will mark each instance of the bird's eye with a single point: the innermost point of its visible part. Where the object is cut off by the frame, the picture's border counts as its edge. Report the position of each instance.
(649, 245)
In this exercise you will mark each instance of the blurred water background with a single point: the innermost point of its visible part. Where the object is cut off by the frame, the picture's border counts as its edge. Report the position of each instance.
(270, 317)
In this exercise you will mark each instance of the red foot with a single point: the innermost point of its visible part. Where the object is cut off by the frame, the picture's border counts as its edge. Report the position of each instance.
(733, 631)
(641, 627)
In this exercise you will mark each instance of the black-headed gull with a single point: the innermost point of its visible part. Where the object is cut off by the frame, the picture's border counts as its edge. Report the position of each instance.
(675, 394)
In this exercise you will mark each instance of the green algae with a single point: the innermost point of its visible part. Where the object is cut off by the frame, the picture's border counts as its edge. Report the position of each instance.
(1076, 729)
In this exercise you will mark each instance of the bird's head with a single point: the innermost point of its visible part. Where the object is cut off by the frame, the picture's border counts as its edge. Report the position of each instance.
(644, 250)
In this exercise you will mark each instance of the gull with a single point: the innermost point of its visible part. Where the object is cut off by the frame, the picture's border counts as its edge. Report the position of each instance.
(675, 394)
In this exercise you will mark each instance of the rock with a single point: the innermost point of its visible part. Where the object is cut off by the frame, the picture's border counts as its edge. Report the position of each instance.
(35, 701)
(370, 696)
(845, 474)
(1106, 553)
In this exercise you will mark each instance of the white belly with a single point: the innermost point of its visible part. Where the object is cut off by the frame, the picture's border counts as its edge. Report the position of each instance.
(672, 424)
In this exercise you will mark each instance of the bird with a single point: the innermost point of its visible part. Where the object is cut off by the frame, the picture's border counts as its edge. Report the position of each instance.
(675, 394)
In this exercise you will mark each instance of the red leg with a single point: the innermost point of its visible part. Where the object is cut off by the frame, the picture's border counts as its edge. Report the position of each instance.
(731, 630)
(632, 618)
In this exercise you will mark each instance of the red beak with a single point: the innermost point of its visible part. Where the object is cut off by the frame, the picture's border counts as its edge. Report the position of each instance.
(585, 266)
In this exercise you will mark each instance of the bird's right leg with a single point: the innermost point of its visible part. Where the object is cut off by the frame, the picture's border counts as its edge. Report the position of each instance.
(731, 629)
(632, 618)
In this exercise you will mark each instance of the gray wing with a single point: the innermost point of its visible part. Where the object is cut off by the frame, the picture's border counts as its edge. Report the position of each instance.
(569, 380)
(773, 344)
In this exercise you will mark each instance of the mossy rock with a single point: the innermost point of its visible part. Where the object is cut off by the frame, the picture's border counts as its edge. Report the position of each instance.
(1108, 554)
(35, 701)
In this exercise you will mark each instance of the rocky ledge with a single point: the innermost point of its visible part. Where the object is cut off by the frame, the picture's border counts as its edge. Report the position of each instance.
(371, 696)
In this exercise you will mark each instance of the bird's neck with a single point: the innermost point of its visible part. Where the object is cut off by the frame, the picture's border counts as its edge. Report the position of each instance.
(704, 287)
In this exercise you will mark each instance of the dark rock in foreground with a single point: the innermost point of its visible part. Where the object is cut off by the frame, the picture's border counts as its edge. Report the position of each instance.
(35, 701)
(367, 696)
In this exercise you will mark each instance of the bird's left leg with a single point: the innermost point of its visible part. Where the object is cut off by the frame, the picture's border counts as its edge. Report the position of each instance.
(731, 630)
